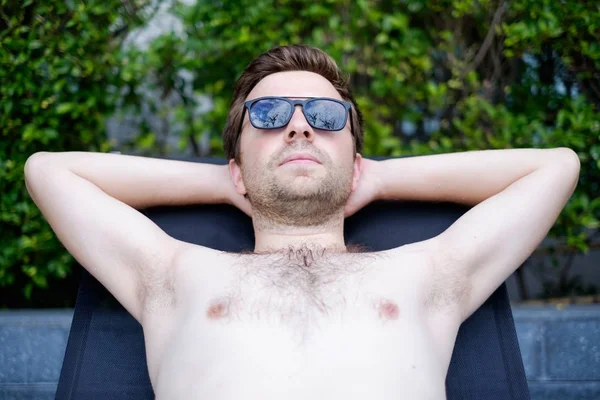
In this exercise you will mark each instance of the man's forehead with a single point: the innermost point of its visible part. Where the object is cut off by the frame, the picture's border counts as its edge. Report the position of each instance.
(294, 84)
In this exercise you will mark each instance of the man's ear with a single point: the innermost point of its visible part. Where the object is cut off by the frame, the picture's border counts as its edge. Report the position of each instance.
(357, 171)
(236, 177)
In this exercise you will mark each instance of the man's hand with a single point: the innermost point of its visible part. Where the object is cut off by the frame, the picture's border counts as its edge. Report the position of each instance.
(367, 189)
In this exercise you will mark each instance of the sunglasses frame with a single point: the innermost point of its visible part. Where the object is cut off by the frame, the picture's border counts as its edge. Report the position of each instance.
(293, 102)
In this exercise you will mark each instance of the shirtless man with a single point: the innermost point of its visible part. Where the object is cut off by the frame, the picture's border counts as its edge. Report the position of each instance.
(303, 316)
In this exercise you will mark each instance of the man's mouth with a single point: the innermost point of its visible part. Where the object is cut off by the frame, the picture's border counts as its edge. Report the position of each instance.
(301, 158)
(302, 161)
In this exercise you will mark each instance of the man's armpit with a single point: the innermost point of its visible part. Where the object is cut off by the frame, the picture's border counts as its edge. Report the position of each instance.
(448, 287)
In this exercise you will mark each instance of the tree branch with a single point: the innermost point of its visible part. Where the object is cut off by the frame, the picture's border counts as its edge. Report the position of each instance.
(489, 38)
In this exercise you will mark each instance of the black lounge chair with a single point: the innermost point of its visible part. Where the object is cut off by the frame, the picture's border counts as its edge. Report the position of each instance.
(105, 356)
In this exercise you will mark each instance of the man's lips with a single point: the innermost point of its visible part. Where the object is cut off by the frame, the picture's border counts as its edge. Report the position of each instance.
(300, 159)
(301, 162)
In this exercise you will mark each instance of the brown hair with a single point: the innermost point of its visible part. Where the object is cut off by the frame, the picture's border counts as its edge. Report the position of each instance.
(282, 59)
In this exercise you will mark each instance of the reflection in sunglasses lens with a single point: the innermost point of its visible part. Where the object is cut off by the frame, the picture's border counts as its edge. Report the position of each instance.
(270, 113)
(325, 114)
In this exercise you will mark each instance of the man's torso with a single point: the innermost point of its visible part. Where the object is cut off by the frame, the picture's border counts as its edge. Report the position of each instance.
(301, 325)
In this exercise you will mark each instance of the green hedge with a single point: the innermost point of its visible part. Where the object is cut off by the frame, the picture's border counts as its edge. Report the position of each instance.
(61, 71)
(431, 77)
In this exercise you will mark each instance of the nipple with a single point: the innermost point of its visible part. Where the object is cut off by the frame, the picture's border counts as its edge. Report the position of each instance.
(218, 309)
(388, 310)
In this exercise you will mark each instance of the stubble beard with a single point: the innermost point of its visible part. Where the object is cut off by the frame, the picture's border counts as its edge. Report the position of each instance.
(302, 198)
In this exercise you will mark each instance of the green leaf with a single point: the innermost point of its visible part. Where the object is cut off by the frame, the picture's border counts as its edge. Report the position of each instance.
(35, 44)
(64, 108)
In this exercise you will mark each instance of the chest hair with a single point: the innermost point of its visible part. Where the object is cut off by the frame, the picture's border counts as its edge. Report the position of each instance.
(296, 286)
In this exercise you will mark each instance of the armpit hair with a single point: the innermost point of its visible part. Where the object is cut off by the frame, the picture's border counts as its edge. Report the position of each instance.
(156, 288)
(450, 287)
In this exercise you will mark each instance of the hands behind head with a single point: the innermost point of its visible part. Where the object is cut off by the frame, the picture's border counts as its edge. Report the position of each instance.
(231, 196)
(367, 189)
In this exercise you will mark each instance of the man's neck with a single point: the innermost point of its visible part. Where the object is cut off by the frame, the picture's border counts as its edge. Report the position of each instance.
(274, 238)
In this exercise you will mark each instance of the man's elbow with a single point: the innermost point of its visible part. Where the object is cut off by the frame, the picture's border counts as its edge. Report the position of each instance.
(569, 159)
(37, 162)
(569, 164)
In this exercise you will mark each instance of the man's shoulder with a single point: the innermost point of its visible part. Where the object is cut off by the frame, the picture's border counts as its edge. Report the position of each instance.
(423, 252)
(196, 254)
(425, 264)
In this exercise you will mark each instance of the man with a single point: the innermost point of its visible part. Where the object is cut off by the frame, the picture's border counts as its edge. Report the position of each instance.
(303, 316)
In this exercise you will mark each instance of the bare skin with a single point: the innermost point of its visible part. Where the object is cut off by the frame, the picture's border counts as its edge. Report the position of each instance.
(303, 316)
(271, 326)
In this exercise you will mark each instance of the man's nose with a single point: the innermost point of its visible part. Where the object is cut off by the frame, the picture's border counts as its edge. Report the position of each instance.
(298, 127)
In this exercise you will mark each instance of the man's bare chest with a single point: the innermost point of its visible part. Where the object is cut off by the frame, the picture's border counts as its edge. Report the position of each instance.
(252, 313)
(249, 312)
(299, 291)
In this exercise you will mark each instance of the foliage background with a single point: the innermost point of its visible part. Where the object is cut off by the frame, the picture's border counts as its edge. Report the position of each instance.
(431, 76)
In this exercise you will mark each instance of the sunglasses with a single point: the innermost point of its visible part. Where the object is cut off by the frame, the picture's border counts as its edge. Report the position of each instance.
(276, 112)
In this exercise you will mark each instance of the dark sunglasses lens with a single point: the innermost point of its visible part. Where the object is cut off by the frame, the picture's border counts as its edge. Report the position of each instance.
(270, 113)
(325, 114)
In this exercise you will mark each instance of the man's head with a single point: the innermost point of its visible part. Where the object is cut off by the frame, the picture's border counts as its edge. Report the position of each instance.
(294, 194)
(283, 59)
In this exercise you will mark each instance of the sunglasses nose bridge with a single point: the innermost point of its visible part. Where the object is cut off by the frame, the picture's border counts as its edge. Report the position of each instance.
(298, 124)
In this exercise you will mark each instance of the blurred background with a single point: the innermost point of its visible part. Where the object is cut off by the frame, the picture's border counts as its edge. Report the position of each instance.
(155, 78)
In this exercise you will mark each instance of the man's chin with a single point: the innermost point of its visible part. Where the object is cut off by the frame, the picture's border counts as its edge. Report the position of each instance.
(299, 174)
(303, 184)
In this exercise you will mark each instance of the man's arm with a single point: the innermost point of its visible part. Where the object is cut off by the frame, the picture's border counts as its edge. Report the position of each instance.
(517, 195)
(90, 201)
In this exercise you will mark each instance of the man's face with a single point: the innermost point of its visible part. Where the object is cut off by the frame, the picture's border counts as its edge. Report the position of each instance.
(293, 193)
